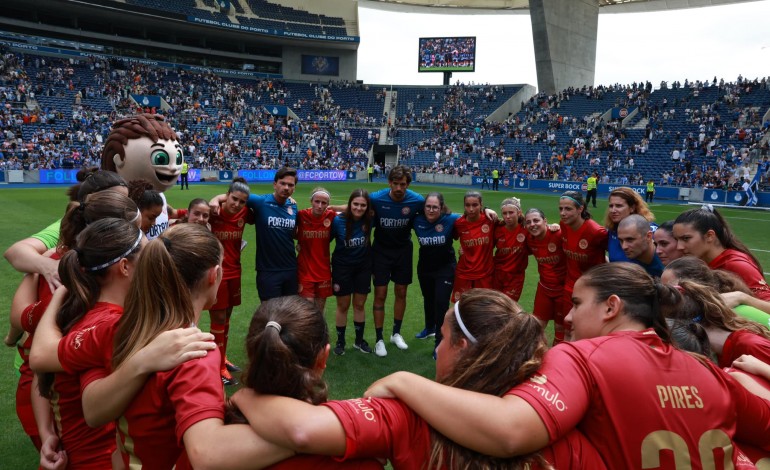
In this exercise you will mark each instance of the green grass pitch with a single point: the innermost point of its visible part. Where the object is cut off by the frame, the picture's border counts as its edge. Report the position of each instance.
(27, 210)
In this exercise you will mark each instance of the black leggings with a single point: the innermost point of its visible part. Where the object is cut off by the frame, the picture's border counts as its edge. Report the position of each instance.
(436, 291)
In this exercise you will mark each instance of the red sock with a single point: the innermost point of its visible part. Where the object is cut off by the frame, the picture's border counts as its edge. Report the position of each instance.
(220, 338)
(226, 335)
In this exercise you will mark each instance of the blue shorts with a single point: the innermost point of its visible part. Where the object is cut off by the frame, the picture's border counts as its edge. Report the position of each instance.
(348, 280)
(272, 284)
(390, 264)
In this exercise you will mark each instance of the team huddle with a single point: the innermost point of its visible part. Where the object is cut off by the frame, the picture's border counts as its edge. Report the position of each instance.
(660, 357)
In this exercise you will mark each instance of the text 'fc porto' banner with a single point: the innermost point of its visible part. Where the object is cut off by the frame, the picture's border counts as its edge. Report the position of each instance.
(302, 175)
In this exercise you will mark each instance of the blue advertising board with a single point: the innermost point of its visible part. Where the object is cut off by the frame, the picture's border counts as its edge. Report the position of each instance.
(58, 176)
(193, 176)
(665, 192)
(302, 175)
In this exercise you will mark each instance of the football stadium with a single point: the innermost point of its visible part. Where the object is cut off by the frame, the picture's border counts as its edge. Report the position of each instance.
(509, 249)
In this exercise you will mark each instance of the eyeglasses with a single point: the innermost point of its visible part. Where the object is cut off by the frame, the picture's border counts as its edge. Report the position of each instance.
(432, 208)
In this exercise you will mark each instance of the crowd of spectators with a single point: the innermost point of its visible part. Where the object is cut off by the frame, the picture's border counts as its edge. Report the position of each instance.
(56, 112)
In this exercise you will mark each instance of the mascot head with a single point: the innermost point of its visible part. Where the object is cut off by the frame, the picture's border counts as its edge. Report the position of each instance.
(144, 147)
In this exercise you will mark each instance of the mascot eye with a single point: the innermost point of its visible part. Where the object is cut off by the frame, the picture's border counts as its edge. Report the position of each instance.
(178, 158)
(159, 157)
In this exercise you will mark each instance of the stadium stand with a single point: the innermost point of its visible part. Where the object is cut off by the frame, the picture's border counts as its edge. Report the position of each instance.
(57, 111)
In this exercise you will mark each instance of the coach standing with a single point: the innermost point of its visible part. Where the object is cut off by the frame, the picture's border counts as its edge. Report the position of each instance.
(395, 208)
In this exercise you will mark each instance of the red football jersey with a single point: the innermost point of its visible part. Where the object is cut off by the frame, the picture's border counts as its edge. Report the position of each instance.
(643, 403)
(583, 248)
(313, 239)
(551, 261)
(228, 228)
(476, 241)
(151, 429)
(744, 342)
(511, 252)
(86, 447)
(384, 428)
(741, 264)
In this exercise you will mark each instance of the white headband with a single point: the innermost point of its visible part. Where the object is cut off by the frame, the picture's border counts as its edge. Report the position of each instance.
(111, 262)
(462, 325)
(321, 192)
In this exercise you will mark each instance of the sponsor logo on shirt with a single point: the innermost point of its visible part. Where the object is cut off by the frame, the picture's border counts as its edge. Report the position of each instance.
(79, 337)
(430, 241)
(363, 407)
(537, 383)
(280, 222)
(393, 223)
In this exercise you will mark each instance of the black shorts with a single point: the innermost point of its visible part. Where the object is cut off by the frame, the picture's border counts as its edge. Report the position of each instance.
(348, 280)
(392, 265)
(272, 284)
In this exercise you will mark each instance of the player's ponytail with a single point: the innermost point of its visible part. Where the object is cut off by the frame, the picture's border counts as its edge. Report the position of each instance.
(286, 338)
(99, 206)
(83, 271)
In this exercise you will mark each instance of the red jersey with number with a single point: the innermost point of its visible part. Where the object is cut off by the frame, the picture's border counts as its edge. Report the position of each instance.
(384, 428)
(86, 447)
(741, 264)
(583, 249)
(228, 228)
(668, 404)
(551, 261)
(744, 342)
(511, 252)
(314, 234)
(151, 429)
(476, 241)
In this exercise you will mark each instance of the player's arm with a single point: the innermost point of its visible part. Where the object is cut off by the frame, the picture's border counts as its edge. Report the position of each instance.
(44, 354)
(339, 208)
(210, 444)
(752, 365)
(51, 457)
(497, 426)
(733, 299)
(172, 213)
(292, 423)
(26, 294)
(27, 256)
(216, 202)
(106, 399)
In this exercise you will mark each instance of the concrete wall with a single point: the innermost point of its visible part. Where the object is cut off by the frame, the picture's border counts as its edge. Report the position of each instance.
(292, 63)
(513, 105)
(564, 34)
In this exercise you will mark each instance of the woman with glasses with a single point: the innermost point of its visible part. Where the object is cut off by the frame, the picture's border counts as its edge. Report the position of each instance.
(436, 263)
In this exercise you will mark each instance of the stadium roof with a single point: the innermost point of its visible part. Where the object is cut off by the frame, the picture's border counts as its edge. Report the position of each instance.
(522, 6)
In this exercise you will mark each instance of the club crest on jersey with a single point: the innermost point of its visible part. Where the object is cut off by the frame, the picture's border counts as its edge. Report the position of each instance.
(439, 228)
(406, 211)
(327, 223)
(290, 211)
(240, 223)
(520, 238)
(485, 228)
(552, 247)
(583, 243)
